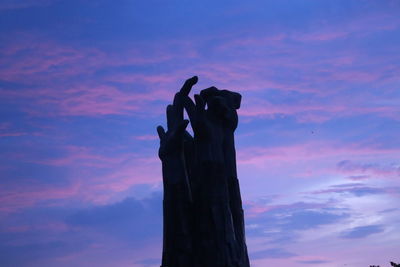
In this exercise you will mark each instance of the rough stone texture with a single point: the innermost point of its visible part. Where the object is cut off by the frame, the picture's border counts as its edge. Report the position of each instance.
(203, 214)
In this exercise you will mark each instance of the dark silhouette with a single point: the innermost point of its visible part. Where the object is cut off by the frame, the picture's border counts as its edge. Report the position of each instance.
(203, 214)
(391, 263)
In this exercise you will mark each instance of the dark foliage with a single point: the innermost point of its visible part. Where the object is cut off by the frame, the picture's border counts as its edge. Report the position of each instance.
(391, 263)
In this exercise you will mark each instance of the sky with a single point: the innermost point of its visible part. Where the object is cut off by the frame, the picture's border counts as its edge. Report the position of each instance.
(84, 84)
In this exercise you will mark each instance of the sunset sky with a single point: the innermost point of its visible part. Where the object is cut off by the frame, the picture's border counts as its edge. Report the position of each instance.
(84, 84)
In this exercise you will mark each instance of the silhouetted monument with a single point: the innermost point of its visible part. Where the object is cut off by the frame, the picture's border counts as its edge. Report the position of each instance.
(203, 214)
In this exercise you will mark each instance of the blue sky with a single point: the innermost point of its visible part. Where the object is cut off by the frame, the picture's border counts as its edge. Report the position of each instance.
(84, 84)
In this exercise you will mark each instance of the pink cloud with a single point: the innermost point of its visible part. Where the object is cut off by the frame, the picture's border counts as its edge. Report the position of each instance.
(322, 36)
(14, 198)
(42, 59)
(262, 108)
(255, 209)
(53, 226)
(250, 74)
(12, 134)
(141, 78)
(258, 57)
(147, 137)
(358, 177)
(358, 27)
(359, 171)
(137, 171)
(96, 178)
(54, 66)
(80, 156)
(308, 151)
(6, 130)
(123, 173)
(90, 101)
(17, 229)
(314, 112)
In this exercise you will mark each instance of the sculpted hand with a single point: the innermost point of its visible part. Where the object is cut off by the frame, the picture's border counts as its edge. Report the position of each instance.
(195, 110)
(225, 104)
(171, 140)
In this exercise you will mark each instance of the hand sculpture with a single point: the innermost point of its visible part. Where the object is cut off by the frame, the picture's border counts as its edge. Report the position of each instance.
(175, 153)
(228, 103)
(200, 181)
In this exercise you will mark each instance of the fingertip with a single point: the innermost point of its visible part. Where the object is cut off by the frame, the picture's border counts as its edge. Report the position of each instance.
(178, 99)
(187, 86)
(160, 131)
(194, 79)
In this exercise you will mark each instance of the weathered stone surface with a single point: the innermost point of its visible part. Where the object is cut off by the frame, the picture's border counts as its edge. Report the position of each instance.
(203, 214)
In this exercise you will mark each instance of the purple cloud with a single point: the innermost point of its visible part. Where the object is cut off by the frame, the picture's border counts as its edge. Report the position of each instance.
(362, 231)
(274, 253)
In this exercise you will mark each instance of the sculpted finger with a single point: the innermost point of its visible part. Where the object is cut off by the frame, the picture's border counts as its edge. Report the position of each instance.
(209, 92)
(200, 104)
(233, 98)
(171, 120)
(178, 105)
(182, 126)
(187, 86)
(177, 99)
(161, 132)
(190, 107)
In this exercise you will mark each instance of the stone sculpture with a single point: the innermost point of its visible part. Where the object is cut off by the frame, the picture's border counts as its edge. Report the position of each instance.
(203, 214)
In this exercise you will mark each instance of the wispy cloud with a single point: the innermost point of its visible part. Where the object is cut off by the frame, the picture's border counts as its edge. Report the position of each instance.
(274, 253)
(363, 231)
(359, 170)
(16, 197)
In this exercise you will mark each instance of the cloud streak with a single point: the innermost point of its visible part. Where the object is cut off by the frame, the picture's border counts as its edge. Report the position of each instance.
(362, 231)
